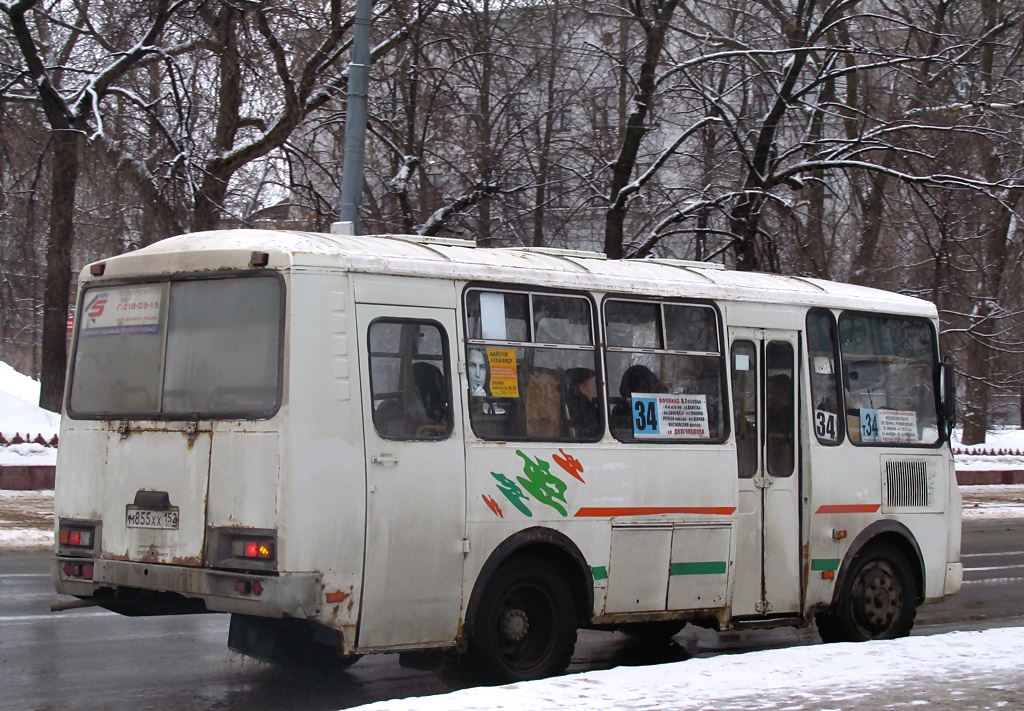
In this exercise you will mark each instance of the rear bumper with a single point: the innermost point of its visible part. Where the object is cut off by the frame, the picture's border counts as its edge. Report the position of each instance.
(285, 595)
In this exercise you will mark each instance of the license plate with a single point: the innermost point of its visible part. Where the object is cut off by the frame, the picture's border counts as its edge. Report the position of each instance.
(148, 518)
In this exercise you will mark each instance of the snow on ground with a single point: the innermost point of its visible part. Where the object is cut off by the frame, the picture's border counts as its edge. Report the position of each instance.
(26, 520)
(996, 501)
(19, 414)
(949, 669)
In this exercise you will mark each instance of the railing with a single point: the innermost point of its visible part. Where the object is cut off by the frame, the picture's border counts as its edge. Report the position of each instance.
(985, 452)
(28, 439)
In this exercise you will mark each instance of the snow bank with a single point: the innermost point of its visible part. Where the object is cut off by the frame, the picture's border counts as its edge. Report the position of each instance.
(819, 676)
(19, 415)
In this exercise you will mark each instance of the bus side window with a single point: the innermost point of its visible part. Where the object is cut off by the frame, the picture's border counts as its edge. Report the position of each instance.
(745, 406)
(823, 354)
(663, 356)
(409, 380)
(530, 364)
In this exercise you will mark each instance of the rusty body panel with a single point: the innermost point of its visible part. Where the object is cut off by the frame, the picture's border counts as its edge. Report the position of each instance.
(292, 595)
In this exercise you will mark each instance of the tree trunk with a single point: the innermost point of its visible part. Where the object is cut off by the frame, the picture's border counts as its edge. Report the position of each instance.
(209, 202)
(636, 127)
(214, 188)
(743, 225)
(58, 268)
(975, 415)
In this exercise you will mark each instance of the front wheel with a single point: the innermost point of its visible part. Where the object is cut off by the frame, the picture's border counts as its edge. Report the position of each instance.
(878, 599)
(526, 625)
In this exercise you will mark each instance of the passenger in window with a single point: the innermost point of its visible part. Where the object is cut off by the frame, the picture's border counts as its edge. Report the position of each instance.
(430, 387)
(581, 407)
(478, 372)
(639, 379)
(636, 379)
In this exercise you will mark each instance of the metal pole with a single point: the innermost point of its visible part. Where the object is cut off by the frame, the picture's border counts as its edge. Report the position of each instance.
(355, 118)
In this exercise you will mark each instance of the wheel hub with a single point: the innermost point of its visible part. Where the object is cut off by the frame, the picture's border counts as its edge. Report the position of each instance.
(515, 625)
(881, 600)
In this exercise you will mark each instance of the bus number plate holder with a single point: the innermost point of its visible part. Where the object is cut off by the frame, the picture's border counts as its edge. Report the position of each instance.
(165, 519)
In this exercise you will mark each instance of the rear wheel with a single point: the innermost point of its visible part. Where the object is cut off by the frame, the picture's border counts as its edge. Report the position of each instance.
(878, 599)
(526, 625)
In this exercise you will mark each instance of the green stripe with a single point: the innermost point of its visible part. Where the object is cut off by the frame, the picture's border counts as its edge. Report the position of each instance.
(600, 573)
(825, 564)
(711, 567)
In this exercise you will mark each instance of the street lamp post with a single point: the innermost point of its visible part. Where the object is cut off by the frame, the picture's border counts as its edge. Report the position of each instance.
(355, 121)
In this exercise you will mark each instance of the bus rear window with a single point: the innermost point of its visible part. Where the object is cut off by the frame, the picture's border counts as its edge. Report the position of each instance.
(191, 349)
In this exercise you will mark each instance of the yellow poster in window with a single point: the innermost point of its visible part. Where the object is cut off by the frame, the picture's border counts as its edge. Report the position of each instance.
(504, 377)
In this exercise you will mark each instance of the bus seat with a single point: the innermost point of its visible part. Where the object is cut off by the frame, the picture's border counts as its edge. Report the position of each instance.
(543, 405)
(389, 417)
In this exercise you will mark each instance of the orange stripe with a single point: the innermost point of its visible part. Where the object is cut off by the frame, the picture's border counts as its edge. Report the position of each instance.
(848, 508)
(602, 512)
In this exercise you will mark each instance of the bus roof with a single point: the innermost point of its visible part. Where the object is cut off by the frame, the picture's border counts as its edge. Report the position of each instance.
(461, 259)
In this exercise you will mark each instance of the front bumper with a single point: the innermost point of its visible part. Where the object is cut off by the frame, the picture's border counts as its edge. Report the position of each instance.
(954, 579)
(286, 595)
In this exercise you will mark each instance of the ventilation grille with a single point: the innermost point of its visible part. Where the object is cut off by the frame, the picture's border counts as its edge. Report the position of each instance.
(906, 484)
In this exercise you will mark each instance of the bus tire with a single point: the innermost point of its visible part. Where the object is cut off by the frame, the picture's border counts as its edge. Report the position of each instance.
(525, 627)
(878, 599)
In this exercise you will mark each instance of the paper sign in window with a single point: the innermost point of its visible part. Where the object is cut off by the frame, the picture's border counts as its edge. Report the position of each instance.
(492, 316)
(504, 374)
(122, 311)
(670, 416)
(897, 426)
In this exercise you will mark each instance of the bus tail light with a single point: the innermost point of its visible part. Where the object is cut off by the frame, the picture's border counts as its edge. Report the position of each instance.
(78, 570)
(253, 549)
(247, 587)
(78, 538)
(242, 548)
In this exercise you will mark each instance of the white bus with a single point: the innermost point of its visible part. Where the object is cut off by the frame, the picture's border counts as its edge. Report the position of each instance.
(384, 444)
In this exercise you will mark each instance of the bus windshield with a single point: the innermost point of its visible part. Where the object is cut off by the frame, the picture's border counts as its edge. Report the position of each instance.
(188, 349)
(889, 376)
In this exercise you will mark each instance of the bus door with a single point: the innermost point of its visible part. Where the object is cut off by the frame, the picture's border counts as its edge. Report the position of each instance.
(415, 477)
(765, 405)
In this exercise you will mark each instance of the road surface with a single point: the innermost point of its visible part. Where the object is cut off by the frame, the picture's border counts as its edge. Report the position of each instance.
(89, 659)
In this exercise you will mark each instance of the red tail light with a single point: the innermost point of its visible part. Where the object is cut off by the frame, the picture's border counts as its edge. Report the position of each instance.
(78, 570)
(257, 549)
(76, 537)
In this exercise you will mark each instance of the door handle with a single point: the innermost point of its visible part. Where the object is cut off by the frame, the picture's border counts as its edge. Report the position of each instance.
(384, 459)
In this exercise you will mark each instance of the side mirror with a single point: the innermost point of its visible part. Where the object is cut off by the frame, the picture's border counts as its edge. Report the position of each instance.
(949, 396)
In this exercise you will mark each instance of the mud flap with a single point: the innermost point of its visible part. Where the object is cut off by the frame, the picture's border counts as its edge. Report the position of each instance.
(252, 636)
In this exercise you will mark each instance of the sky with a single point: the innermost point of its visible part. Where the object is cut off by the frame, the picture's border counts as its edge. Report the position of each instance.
(976, 670)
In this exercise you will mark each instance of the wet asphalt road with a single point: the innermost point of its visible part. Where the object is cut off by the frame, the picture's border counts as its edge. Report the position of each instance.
(92, 659)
